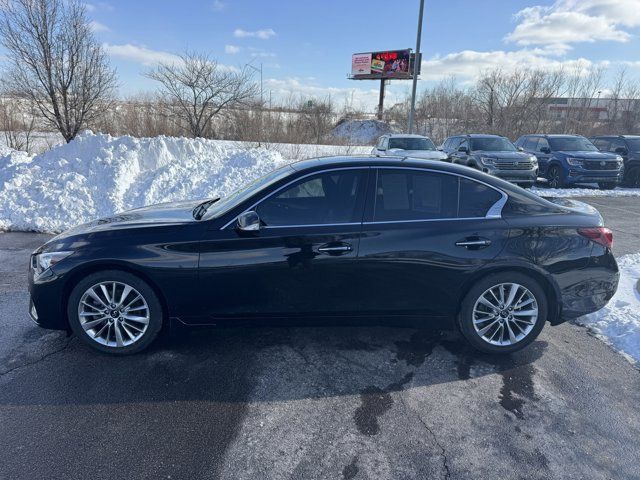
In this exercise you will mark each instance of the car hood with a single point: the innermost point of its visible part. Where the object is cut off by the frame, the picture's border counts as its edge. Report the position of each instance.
(586, 154)
(426, 154)
(162, 214)
(503, 154)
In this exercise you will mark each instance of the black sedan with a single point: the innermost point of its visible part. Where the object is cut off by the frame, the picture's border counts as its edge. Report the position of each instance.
(339, 237)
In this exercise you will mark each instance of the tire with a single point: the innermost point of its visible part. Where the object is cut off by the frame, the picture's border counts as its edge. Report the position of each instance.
(607, 185)
(632, 178)
(555, 177)
(474, 329)
(114, 321)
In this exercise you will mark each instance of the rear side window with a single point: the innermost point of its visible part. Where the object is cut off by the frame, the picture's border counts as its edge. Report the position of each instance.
(414, 195)
(475, 199)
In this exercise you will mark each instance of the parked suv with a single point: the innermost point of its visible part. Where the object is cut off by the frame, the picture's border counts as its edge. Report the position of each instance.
(628, 147)
(416, 146)
(570, 159)
(494, 155)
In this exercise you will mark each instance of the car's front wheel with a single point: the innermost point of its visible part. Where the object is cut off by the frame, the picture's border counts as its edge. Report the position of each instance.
(555, 177)
(503, 312)
(114, 312)
(632, 177)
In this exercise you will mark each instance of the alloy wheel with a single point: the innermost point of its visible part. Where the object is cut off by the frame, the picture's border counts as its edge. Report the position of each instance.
(113, 314)
(554, 178)
(505, 314)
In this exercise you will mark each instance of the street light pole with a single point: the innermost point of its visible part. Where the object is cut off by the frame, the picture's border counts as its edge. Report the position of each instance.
(415, 69)
(256, 69)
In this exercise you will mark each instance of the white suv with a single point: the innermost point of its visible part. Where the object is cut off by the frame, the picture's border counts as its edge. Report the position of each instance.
(416, 146)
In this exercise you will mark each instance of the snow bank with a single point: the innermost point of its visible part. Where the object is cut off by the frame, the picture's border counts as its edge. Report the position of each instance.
(360, 132)
(585, 192)
(618, 323)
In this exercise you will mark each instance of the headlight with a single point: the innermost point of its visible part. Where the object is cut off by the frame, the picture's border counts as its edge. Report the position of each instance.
(44, 261)
(487, 160)
(575, 162)
(619, 159)
(533, 159)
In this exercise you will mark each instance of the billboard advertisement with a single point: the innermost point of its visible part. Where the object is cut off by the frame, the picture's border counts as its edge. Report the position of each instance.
(387, 64)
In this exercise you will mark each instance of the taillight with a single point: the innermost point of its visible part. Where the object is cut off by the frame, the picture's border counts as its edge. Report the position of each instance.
(600, 235)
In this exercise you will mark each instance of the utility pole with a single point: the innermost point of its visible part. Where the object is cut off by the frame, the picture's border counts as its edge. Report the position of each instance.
(256, 69)
(415, 69)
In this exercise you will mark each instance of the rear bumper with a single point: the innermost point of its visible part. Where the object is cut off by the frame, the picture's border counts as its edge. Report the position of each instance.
(591, 287)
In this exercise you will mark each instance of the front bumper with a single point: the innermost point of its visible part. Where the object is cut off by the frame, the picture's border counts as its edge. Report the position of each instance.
(47, 300)
(580, 175)
(513, 176)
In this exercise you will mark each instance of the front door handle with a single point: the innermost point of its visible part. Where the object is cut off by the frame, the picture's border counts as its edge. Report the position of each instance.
(479, 243)
(335, 249)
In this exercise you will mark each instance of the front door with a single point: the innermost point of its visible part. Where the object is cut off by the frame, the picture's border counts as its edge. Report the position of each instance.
(302, 260)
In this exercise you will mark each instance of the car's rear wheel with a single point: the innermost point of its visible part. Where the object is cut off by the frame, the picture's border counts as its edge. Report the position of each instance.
(607, 185)
(554, 177)
(114, 312)
(503, 312)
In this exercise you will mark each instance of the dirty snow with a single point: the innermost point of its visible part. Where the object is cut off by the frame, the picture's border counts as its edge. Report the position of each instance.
(360, 132)
(97, 175)
(585, 192)
(618, 323)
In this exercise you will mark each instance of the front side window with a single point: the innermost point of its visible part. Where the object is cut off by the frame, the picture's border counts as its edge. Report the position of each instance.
(543, 145)
(325, 198)
(531, 144)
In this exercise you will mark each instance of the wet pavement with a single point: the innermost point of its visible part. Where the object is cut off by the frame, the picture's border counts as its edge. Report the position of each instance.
(320, 401)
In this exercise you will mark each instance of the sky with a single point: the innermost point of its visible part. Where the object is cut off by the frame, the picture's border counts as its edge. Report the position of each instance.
(305, 46)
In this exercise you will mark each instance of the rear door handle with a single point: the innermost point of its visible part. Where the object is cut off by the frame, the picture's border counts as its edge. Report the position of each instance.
(335, 249)
(474, 243)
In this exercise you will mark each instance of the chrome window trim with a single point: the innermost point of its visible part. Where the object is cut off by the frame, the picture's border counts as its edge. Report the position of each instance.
(495, 211)
(364, 167)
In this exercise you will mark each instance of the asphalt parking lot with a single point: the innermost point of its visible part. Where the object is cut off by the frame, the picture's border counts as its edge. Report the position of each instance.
(320, 401)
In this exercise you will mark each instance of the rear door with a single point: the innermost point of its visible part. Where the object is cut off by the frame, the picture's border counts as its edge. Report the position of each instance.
(302, 260)
(424, 233)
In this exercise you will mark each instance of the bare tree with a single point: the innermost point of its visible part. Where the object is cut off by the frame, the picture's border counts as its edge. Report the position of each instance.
(198, 89)
(56, 62)
(17, 121)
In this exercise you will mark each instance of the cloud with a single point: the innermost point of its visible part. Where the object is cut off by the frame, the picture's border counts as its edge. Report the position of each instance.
(140, 54)
(575, 21)
(98, 27)
(92, 7)
(469, 64)
(231, 49)
(263, 34)
(218, 6)
(261, 53)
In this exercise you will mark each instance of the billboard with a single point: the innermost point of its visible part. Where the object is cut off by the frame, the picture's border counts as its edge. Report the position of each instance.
(387, 64)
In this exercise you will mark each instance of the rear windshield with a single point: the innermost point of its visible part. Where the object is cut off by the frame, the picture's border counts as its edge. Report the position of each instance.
(571, 144)
(492, 144)
(409, 143)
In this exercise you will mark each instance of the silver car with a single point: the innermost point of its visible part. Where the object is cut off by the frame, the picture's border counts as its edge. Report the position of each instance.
(404, 145)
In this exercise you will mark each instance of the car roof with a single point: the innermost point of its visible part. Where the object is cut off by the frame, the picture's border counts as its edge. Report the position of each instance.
(615, 136)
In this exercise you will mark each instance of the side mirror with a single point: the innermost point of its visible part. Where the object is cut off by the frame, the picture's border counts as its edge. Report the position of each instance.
(621, 151)
(520, 149)
(248, 222)
(545, 150)
(463, 149)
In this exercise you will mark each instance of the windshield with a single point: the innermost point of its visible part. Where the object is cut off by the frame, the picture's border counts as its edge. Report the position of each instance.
(633, 144)
(571, 144)
(492, 144)
(224, 205)
(411, 143)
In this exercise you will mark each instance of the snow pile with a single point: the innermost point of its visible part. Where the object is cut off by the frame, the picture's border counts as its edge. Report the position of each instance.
(585, 192)
(97, 175)
(618, 323)
(360, 132)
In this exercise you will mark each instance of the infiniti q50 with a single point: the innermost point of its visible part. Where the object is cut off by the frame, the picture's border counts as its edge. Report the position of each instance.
(339, 237)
